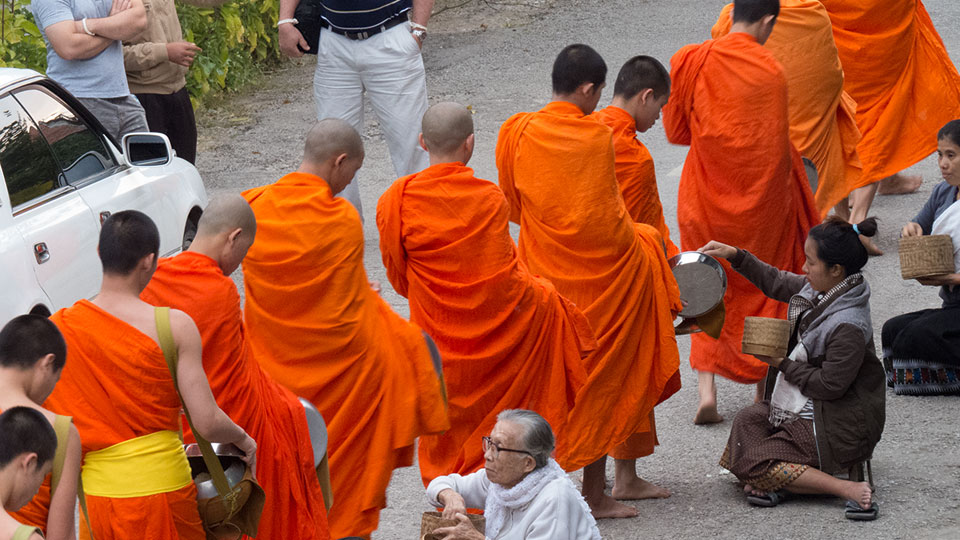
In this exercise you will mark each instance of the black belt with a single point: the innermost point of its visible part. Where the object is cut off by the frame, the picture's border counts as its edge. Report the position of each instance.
(399, 19)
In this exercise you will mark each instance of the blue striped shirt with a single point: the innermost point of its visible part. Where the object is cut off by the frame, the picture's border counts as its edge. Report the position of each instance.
(361, 15)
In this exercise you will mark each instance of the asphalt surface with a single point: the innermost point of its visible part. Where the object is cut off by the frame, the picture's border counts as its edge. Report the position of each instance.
(496, 57)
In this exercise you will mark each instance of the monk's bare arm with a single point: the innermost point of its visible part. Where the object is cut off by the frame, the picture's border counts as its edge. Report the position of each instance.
(208, 419)
(60, 521)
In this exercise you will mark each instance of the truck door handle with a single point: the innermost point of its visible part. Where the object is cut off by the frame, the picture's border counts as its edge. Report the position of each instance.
(103, 216)
(41, 252)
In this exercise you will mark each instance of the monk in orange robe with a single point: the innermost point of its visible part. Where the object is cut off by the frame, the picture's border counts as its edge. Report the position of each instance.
(823, 125)
(905, 85)
(316, 325)
(123, 400)
(641, 90)
(557, 171)
(742, 180)
(32, 356)
(197, 283)
(507, 338)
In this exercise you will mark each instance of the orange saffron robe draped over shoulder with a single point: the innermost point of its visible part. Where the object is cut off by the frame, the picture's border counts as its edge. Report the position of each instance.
(743, 182)
(507, 338)
(823, 123)
(315, 324)
(117, 387)
(557, 171)
(271, 414)
(899, 73)
(636, 173)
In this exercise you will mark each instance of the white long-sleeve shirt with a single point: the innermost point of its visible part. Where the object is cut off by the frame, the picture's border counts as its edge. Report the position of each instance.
(555, 513)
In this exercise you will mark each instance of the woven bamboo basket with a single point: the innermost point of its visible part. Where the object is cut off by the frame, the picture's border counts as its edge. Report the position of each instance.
(432, 521)
(765, 337)
(925, 256)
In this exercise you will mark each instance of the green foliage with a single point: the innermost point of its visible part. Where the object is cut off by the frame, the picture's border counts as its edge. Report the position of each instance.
(237, 39)
(21, 44)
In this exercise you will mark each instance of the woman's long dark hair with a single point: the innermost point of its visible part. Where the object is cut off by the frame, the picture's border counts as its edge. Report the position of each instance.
(838, 242)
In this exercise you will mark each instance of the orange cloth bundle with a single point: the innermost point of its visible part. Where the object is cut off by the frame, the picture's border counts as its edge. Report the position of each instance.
(743, 182)
(319, 329)
(636, 174)
(507, 338)
(117, 387)
(898, 71)
(823, 123)
(557, 171)
(271, 414)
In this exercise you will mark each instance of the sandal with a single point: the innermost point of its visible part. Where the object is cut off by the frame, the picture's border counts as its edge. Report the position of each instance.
(771, 499)
(854, 512)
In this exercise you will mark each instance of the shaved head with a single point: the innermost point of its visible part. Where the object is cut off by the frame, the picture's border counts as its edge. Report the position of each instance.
(330, 138)
(446, 126)
(227, 213)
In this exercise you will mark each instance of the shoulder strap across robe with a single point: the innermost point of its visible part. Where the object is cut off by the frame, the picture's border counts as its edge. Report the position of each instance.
(24, 532)
(169, 347)
(61, 426)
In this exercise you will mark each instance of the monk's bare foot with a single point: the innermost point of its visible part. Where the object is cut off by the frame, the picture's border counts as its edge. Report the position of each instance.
(860, 493)
(707, 414)
(636, 489)
(899, 184)
(607, 507)
(872, 248)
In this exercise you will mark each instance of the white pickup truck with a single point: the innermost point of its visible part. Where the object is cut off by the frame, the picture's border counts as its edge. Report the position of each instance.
(62, 175)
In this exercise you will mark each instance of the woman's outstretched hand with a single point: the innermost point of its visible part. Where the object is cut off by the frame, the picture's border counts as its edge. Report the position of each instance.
(717, 250)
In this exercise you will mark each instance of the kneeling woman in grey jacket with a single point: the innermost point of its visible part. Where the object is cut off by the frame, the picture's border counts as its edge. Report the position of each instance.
(824, 403)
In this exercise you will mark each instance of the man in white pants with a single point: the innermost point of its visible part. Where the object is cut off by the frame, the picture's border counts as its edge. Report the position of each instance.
(370, 46)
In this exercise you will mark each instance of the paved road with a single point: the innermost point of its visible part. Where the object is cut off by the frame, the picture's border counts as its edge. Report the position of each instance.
(502, 68)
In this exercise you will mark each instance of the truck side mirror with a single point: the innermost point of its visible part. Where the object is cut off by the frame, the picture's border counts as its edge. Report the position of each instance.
(147, 149)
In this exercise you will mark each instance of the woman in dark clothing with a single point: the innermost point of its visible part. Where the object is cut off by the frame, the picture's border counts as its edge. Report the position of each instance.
(921, 350)
(823, 410)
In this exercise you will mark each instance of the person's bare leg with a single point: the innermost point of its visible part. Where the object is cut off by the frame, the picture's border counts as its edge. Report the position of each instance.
(758, 396)
(860, 201)
(842, 209)
(628, 486)
(816, 482)
(707, 411)
(601, 504)
(900, 183)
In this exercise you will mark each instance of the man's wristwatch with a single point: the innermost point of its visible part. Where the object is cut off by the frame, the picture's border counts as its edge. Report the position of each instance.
(418, 30)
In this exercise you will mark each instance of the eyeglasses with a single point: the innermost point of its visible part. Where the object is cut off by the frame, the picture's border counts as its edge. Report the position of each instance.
(489, 445)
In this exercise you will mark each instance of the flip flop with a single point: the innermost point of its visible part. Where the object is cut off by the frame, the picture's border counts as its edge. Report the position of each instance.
(854, 512)
(771, 499)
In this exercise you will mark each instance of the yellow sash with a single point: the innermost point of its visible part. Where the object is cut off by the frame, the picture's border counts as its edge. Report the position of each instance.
(138, 467)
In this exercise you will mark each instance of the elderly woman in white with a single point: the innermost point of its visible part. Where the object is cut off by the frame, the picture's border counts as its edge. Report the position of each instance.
(525, 495)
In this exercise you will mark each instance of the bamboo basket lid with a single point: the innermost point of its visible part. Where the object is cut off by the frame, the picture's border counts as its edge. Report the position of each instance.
(925, 256)
(765, 336)
(432, 521)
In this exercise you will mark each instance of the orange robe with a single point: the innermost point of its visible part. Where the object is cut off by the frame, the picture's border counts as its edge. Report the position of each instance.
(743, 182)
(116, 385)
(319, 329)
(823, 123)
(636, 174)
(271, 414)
(898, 71)
(557, 171)
(507, 338)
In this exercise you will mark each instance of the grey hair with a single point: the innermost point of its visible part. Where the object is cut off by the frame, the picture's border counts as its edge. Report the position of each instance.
(537, 434)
